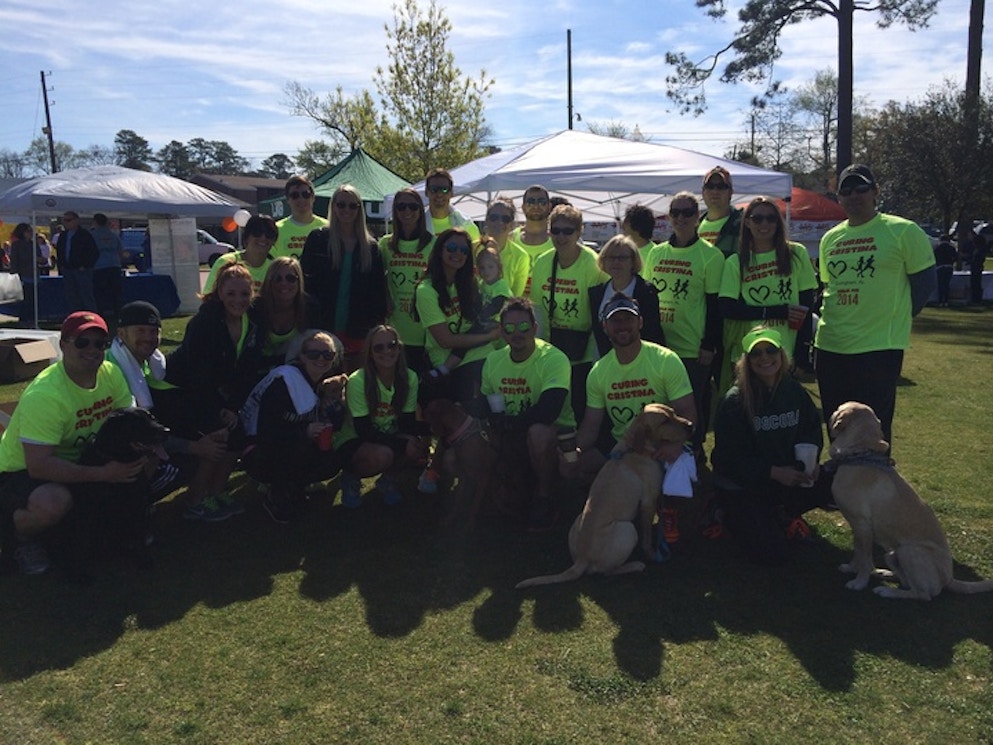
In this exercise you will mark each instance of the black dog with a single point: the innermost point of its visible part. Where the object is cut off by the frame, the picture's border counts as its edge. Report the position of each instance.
(112, 517)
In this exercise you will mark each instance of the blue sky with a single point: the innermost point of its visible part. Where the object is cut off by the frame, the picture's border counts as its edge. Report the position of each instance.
(178, 70)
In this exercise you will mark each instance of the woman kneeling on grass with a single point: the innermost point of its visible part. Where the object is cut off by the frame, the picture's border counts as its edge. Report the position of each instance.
(384, 433)
(761, 485)
(292, 414)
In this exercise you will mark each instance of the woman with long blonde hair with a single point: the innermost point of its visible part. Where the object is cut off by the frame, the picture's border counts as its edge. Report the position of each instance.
(344, 272)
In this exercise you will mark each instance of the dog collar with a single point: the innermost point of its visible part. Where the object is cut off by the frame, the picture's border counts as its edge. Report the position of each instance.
(861, 458)
(460, 434)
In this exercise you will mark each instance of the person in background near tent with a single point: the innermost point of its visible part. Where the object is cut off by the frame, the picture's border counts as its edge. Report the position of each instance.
(639, 225)
(22, 263)
(770, 280)
(405, 254)
(438, 187)
(344, 272)
(294, 229)
(980, 250)
(720, 224)
(107, 272)
(259, 235)
(76, 253)
(944, 259)
(878, 273)
(687, 270)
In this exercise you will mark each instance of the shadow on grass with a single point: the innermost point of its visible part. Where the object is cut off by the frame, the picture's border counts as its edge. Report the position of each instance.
(404, 569)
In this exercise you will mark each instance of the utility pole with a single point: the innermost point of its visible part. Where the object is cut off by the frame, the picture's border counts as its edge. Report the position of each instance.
(48, 124)
(568, 55)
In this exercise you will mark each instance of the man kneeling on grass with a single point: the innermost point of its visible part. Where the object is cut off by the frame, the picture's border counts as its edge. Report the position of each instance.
(56, 416)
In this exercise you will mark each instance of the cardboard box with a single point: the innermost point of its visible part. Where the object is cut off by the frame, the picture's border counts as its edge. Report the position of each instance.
(22, 359)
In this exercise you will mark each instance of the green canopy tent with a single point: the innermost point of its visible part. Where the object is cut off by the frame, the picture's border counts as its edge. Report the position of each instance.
(373, 180)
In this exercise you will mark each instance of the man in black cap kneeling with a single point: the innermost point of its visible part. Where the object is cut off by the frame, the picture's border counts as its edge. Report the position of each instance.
(136, 351)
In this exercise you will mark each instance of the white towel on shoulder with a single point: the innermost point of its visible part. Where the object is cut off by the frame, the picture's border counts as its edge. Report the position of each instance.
(135, 375)
(301, 394)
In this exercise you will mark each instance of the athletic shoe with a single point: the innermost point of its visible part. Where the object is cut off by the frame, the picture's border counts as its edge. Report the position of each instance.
(391, 492)
(428, 481)
(351, 490)
(209, 510)
(163, 478)
(31, 558)
(670, 525)
(798, 530)
(228, 502)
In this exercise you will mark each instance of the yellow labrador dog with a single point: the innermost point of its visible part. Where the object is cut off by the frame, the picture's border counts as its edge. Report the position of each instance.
(883, 508)
(626, 488)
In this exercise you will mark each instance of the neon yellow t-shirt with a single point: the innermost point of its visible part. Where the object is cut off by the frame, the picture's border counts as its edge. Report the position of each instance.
(656, 375)
(384, 418)
(403, 269)
(440, 225)
(53, 410)
(572, 299)
(864, 269)
(292, 236)
(234, 257)
(432, 315)
(684, 277)
(522, 383)
(533, 250)
(762, 286)
(710, 229)
(516, 267)
(645, 251)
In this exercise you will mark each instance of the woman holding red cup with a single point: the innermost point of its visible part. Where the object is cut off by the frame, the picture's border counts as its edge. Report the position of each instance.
(292, 415)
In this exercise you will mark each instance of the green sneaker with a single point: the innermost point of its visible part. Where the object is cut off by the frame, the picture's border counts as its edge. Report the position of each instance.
(209, 510)
(227, 500)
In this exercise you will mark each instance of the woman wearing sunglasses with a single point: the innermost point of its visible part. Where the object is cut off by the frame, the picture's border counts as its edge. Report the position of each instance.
(292, 414)
(763, 424)
(405, 253)
(516, 263)
(447, 303)
(345, 274)
(383, 433)
(214, 368)
(769, 280)
(258, 238)
(560, 285)
(282, 310)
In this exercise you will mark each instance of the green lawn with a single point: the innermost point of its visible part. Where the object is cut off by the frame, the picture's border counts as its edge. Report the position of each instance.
(367, 627)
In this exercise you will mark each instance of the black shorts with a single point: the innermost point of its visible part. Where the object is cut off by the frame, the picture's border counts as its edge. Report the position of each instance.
(15, 488)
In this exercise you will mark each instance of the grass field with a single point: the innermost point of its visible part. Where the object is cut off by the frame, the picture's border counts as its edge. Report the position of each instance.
(366, 627)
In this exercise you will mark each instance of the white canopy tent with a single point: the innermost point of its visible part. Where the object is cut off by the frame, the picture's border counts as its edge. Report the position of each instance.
(601, 176)
(115, 191)
(127, 193)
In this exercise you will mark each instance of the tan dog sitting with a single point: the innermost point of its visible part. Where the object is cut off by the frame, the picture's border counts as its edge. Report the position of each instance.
(626, 488)
(883, 508)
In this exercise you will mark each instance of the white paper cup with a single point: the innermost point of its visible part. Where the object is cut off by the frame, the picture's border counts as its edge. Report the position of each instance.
(806, 453)
(497, 403)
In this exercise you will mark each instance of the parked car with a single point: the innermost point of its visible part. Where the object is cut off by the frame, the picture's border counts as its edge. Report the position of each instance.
(137, 249)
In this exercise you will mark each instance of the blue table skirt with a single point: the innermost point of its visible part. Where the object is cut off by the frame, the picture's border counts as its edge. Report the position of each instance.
(157, 289)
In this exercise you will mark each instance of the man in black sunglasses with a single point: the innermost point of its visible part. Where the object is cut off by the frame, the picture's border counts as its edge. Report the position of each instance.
(439, 188)
(720, 223)
(294, 228)
(878, 272)
(526, 385)
(57, 415)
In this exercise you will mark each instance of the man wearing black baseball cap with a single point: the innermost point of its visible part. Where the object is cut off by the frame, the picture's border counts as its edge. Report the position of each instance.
(878, 273)
(136, 352)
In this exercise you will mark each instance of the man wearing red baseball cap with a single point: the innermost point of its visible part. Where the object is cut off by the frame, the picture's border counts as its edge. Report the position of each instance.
(57, 415)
